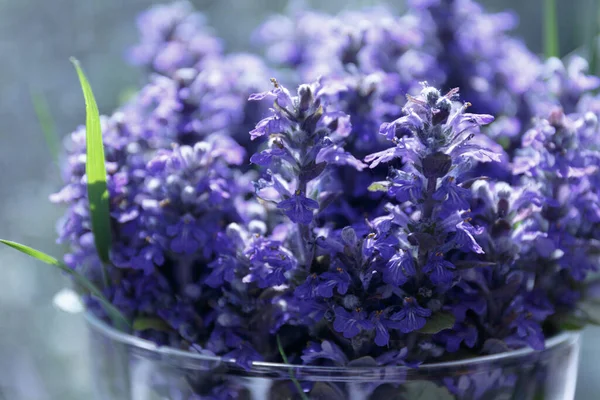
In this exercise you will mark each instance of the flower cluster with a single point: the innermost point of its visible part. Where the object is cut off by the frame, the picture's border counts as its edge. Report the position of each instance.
(366, 218)
(173, 36)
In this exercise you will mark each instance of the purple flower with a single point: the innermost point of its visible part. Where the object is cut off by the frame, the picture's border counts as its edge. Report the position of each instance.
(406, 187)
(186, 236)
(465, 239)
(265, 157)
(460, 333)
(453, 195)
(338, 279)
(336, 155)
(299, 208)
(350, 324)
(381, 326)
(439, 270)
(325, 351)
(399, 269)
(172, 37)
(411, 318)
(244, 355)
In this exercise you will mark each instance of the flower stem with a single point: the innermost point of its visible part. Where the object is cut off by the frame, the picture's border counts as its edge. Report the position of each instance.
(292, 374)
(551, 48)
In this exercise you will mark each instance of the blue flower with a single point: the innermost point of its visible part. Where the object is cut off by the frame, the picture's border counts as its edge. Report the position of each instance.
(460, 333)
(406, 187)
(265, 157)
(411, 318)
(439, 270)
(308, 289)
(452, 195)
(331, 280)
(326, 350)
(350, 324)
(186, 236)
(381, 325)
(299, 208)
(464, 237)
(399, 268)
(335, 155)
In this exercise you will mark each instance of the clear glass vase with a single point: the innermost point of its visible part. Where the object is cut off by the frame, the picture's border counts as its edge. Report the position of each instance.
(128, 368)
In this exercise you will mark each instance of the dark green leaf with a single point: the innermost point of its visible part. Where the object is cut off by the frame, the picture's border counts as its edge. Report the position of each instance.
(438, 322)
(116, 316)
(143, 323)
(570, 322)
(550, 29)
(425, 390)
(379, 186)
(95, 170)
(42, 112)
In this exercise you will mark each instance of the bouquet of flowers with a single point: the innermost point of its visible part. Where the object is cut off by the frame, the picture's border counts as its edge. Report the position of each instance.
(374, 190)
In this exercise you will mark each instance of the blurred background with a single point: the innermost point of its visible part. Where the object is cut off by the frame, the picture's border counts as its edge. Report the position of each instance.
(43, 352)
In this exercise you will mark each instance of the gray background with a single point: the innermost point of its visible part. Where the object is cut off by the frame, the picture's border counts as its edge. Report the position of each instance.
(42, 350)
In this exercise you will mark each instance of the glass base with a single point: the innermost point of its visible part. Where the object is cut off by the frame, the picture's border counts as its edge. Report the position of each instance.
(129, 368)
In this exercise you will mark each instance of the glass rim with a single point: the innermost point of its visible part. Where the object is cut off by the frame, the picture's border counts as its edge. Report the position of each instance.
(565, 338)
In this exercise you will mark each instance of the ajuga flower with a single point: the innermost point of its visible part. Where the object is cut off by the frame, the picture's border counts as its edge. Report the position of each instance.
(332, 225)
(173, 36)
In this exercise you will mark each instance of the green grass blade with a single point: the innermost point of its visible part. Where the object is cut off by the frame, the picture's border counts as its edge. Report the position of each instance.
(44, 117)
(95, 169)
(143, 323)
(116, 316)
(292, 375)
(551, 48)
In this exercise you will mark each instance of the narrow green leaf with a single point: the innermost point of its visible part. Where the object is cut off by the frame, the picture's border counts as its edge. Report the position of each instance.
(116, 316)
(292, 375)
(378, 187)
(42, 112)
(143, 323)
(438, 322)
(569, 322)
(95, 170)
(550, 29)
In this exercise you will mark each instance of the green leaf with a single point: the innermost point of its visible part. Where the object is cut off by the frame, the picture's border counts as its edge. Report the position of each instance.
(438, 322)
(569, 322)
(381, 186)
(95, 170)
(550, 29)
(143, 323)
(425, 390)
(291, 371)
(116, 316)
(42, 112)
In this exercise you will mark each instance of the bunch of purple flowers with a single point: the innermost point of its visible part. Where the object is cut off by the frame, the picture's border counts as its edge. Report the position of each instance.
(367, 216)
